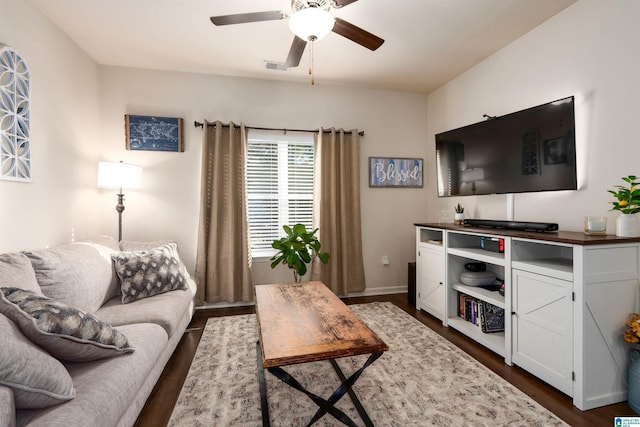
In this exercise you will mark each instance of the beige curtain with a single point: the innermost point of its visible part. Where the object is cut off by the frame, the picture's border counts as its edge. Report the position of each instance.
(337, 210)
(222, 260)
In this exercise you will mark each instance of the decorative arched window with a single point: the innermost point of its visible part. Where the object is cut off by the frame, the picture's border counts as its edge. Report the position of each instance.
(15, 148)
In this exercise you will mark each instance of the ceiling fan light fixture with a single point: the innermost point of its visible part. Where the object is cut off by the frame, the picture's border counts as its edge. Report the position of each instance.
(312, 22)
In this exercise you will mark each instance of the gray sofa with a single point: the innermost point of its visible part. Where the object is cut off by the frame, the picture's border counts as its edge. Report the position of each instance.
(48, 378)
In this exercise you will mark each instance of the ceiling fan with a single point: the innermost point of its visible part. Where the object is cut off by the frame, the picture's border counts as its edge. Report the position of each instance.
(309, 20)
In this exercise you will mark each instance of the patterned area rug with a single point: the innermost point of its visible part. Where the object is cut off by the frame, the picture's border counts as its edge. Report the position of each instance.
(422, 380)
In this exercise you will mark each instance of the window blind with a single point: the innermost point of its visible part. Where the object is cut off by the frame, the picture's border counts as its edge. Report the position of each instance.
(279, 186)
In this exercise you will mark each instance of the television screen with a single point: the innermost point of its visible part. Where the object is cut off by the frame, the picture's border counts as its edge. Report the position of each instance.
(526, 151)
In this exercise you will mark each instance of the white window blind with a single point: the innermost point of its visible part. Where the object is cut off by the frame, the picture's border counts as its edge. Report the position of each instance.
(279, 185)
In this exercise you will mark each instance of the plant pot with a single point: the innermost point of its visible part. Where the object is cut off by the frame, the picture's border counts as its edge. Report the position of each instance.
(458, 218)
(627, 226)
(633, 380)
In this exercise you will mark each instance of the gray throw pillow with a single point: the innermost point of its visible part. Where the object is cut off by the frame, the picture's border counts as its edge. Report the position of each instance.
(147, 273)
(16, 270)
(65, 332)
(78, 274)
(36, 379)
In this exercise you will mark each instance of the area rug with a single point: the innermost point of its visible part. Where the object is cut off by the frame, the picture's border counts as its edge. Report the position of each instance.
(422, 380)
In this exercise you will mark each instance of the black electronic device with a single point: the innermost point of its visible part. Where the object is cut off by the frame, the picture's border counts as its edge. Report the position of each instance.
(493, 244)
(526, 151)
(512, 225)
(475, 266)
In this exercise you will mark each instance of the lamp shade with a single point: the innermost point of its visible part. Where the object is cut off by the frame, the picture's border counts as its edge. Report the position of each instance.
(119, 175)
(311, 22)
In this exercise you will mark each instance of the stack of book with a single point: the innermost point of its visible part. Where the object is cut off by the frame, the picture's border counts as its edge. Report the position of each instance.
(488, 317)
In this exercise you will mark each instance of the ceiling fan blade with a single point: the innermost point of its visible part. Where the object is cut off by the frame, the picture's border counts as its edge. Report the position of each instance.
(357, 34)
(242, 18)
(342, 3)
(295, 53)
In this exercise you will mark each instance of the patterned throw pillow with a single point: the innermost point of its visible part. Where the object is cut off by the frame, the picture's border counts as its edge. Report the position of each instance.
(146, 273)
(65, 332)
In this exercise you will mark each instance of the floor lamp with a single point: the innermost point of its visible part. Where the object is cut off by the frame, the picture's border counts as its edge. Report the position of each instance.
(119, 175)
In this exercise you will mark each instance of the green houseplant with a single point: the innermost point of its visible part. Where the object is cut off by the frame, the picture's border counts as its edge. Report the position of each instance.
(627, 198)
(627, 203)
(458, 218)
(297, 250)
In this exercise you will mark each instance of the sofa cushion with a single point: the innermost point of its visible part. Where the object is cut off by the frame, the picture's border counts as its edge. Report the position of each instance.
(36, 378)
(165, 310)
(147, 273)
(105, 388)
(64, 331)
(138, 245)
(16, 271)
(79, 274)
(7, 407)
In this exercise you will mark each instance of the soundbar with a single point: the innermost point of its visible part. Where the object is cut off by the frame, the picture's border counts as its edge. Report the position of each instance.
(512, 225)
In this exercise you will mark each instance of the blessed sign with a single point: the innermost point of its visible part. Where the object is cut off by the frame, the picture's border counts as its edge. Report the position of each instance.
(395, 172)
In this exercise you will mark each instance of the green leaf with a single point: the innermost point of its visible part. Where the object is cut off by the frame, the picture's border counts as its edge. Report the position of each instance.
(324, 257)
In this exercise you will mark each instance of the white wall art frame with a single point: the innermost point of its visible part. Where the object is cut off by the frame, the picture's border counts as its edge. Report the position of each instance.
(15, 145)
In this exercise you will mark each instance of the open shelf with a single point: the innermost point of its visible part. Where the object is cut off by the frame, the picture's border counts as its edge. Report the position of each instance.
(494, 341)
(479, 255)
(491, 297)
(561, 268)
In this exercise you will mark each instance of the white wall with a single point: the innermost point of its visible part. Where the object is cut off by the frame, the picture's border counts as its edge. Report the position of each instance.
(589, 50)
(57, 206)
(167, 207)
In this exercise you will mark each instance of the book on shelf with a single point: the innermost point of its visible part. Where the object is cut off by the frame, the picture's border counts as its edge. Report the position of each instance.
(492, 317)
(486, 316)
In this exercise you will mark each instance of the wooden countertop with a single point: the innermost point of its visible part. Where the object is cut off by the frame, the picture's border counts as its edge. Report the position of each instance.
(570, 237)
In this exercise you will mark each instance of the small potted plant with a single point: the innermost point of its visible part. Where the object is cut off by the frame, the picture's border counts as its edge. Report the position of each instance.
(297, 250)
(458, 218)
(628, 204)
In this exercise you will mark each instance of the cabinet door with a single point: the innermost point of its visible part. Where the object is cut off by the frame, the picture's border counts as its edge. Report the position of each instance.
(430, 280)
(542, 327)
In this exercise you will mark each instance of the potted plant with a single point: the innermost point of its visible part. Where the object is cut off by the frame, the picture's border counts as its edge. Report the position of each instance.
(632, 336)
(458, 218)
(297, 250)
(628, 204)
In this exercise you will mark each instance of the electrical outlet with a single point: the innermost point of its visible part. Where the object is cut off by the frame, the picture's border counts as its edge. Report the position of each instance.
(385, 260)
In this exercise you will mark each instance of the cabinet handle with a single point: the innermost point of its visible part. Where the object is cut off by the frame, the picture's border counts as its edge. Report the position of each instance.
(513, 313)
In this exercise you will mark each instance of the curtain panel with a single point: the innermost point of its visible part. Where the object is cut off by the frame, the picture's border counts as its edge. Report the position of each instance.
(223, 255)
(337, 210)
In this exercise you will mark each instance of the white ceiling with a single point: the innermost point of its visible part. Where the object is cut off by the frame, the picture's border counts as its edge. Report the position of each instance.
(427, 42)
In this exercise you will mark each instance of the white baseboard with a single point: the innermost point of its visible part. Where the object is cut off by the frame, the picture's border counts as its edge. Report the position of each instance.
(367, 293)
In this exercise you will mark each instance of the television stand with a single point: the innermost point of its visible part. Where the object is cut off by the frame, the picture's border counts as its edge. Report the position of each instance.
(564, 291)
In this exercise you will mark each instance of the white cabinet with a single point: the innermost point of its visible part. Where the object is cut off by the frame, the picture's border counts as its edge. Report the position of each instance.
(430, 268)
(567, 297)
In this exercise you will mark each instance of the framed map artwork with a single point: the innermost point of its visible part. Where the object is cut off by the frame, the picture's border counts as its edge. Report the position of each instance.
(153, 133)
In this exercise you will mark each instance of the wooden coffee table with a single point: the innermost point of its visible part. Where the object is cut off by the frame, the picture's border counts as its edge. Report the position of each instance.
(306, 322)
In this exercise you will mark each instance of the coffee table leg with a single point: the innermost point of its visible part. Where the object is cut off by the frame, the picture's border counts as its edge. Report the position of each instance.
(263, 388)
(346, 387)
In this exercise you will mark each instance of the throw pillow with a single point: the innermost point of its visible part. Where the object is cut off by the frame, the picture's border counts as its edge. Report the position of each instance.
(147, 273)
(16, 270)
(65, 332)
(78, 274)
(36, 379)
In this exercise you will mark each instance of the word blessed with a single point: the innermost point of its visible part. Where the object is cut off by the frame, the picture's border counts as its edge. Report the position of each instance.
(393, 174)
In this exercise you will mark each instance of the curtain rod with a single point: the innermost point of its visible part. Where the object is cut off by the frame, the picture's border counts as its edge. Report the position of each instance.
(201, 125)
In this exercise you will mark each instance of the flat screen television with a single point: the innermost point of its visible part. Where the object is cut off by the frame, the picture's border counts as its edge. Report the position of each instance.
(526, 151)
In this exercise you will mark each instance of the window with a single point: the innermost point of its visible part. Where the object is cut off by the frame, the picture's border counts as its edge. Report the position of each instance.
(279, 185)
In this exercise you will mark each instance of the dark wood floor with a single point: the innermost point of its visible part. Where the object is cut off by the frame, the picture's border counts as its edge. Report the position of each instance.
(158, 409)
